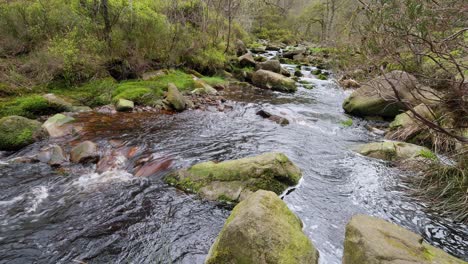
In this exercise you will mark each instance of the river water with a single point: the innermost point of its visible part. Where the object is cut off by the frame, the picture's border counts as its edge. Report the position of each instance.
(76, 215)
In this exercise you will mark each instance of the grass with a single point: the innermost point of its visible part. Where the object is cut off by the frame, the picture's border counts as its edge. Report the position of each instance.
(427, 154)
(347, 123)
(215, 80)
(445, 188)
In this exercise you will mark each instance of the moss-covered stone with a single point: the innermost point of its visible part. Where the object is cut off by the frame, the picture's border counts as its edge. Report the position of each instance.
(175, 99)
(377, 98)
(261, 229)
(124, 105)
(17, 132)
(233, 179)
(58, 125)
(393, 151)
(273, 81)
(370, 240)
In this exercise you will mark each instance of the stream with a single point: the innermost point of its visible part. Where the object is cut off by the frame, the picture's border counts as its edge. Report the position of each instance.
(49, 216)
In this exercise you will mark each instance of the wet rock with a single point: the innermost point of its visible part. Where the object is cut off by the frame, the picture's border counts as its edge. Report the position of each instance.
(175, 99)
(273, 81)
(375, 130)
(124, 105)
(275, 46)
(202, 87)
(393, 151)
(17, 132)
(53, 156)
(247, 60)
(112, 161)
(271, 65)
(106, 109)
(261, 229)
(240, 48)
(152, 167)
(233, 180)
(285, 72)
(377, 98)
(85, 152)
(275, 118)
(58, 102)
(81, 109)
(298, 73)
(372, 240)
(59, 125)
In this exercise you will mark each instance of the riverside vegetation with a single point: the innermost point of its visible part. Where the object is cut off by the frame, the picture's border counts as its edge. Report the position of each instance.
(406, 62)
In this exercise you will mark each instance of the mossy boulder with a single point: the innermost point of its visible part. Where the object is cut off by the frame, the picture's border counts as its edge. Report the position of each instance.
(59, 125)
(235, 179)
(247, 60)
(394, 151)
(377, 98)
(175, 99)
(261, 229)
(270, 65)
(201, 87)
(370, 240)
(17, 132)
(273, 81)
(58, 102)
(124, 105)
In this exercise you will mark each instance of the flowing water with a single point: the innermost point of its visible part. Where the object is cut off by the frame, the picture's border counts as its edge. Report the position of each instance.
(76, 215)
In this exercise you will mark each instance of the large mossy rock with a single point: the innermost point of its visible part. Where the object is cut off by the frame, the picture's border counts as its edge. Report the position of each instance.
(393, 151)
(124, 105)
(235, 179)
(406, 127)
(59, 125)
(261, 229)
(270, 65)
(370, 240)
(58, 102)
(273, 81)
(377, 98)
(247, 60)
(175, 99)
(17, 132)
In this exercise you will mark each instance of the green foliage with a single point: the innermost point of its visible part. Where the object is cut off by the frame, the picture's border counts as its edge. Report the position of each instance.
(208, 60)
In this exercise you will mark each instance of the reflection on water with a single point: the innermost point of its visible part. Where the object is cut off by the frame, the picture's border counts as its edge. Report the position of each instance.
(79, 215)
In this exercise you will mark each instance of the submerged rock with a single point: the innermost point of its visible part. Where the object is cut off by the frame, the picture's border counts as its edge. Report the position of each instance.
(273, 81)
(377, 98)
(53, 156)
(85, 152)
(124, 105)
(58, 125)
(233, 180)
(275, 118)
(175, 99)
(17, 132)
(261, 229)
(370, 240)
(393, 151)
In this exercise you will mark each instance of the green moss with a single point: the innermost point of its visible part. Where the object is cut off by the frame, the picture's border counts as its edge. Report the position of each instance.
(425, 153)
(347, 123)
(322, 77)
(17, 132)
(31, 106)
(134, 91)
(92, 94)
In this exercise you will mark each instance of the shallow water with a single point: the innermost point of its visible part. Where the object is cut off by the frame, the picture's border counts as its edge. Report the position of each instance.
(53, 216)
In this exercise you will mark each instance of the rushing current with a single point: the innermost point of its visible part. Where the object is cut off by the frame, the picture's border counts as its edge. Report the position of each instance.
(77, 215)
